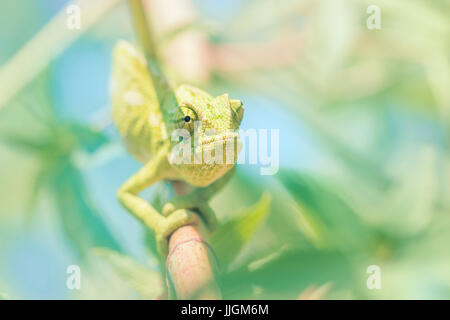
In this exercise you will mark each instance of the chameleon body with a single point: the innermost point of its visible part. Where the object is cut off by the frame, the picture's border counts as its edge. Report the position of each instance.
(147, 112)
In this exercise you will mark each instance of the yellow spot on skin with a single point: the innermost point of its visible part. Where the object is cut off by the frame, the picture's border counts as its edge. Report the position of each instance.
(133, 98)
(155, 119)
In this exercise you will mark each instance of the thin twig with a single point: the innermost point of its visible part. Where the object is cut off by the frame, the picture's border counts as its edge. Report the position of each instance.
(143, 29)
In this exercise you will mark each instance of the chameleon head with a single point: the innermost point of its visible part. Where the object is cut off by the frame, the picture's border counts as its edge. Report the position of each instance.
(204, 134)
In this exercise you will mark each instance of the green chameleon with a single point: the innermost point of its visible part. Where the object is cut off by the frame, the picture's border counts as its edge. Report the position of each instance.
(147, 112)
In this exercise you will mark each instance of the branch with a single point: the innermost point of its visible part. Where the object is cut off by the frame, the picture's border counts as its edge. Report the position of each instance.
(189, 267)
(143, 29)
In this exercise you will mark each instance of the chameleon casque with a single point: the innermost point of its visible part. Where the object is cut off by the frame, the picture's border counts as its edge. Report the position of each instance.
(146, 112)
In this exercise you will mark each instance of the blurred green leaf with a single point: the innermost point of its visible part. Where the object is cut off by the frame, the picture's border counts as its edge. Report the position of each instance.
(88, 139)
(22, 143)
(56, 152)
(408, 207)
(331, 218)
(286, 276)
(232, 236)
(148, 283)
(81, 222)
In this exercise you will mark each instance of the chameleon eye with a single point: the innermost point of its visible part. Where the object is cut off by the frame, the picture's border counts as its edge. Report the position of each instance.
(187, 119)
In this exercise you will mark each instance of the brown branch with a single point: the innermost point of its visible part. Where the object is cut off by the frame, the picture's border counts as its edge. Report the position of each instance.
(189, 266)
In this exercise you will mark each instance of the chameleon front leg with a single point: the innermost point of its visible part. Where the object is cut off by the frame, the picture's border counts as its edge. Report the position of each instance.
(152, 172)
(198, 199)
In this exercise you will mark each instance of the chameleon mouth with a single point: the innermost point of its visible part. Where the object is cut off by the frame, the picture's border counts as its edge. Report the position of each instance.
(214, 155)
(229, 140)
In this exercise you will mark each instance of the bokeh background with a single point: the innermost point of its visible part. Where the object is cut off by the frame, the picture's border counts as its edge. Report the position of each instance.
(364, 173)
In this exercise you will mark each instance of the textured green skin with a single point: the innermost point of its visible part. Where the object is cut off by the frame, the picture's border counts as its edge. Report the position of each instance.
(146, 126)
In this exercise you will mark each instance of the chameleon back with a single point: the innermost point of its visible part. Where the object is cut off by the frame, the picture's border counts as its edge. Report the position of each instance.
(135, 108)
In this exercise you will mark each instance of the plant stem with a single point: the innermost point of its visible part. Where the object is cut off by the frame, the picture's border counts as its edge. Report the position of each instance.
(143, 29)
(189, 266)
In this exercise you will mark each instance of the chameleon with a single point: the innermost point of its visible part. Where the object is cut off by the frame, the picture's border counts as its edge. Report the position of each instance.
(147, 112)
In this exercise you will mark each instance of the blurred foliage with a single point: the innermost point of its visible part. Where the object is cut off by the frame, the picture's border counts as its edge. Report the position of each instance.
(285, 275)
(232, 235)
(328, 220)
(146, 282)
(58, 152)
(377, 105)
